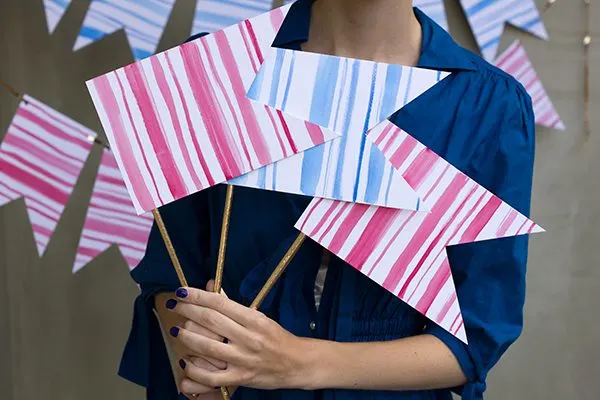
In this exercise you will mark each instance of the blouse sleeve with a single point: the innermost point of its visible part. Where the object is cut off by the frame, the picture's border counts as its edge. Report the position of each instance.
(145, 359)
(490, 276)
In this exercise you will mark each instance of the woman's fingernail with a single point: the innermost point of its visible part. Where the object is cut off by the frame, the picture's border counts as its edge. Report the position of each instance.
(182, 364)
(174, 331)
(171, 303)
(182, 293)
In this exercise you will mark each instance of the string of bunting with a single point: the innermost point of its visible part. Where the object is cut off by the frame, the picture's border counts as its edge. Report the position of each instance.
(21, 97)
(41, 158)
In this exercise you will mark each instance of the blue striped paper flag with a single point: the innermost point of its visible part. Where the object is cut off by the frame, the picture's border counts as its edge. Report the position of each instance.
(488, 17)
(143, 21)
(214, 15)
(55, 9)
(350, 97)
(434, 9)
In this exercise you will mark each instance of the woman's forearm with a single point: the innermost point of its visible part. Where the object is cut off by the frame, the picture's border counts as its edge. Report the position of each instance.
(416, 363)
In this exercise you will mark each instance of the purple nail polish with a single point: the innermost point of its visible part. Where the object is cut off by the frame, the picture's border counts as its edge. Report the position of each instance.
(182, 364)
(171, 303)
(174, 331)
(182, 293)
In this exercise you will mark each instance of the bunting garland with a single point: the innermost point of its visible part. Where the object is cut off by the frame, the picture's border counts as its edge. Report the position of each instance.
(111, 219)
(143, 23)
(435, 10)
(41, 158)
(515, 62)
(488, 18)
(55, 9)
(214, 15)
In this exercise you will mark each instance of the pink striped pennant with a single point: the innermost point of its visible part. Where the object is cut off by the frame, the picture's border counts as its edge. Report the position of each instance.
(515, 62)
(405, 251)
(111, 218)
(41, 157)
(180, 121)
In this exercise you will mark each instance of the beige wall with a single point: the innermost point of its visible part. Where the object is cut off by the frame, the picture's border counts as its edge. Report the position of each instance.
(61, 335)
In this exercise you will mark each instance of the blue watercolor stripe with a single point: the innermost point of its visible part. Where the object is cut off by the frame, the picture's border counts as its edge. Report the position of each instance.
(480, 6)
(363, 140)
(276, 77)
(327, 73)
(392, 85)
(289, 81)
(216, 20)
(337, 187)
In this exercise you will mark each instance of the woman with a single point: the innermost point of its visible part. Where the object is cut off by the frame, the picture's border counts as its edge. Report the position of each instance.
(344, 337)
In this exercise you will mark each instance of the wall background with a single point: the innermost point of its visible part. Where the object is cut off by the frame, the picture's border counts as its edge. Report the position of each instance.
(61, 336)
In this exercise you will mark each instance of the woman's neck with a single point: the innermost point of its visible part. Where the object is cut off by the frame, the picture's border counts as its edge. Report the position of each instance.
(378, 30)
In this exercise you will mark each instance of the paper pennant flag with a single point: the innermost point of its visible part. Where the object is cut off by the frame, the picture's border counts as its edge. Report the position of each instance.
(55, 9)
(143, 21)
(111, 218)
(214, 15)
(180, 121)
(41, 157)
(515, 62)
(348, 96)
(488, 17)
(435, 10)
(405, 251)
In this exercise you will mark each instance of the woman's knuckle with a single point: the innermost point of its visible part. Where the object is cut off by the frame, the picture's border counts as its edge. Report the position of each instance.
(210, 318)
(189, 325)
(213, 381)
(256, 343)
(211, 348)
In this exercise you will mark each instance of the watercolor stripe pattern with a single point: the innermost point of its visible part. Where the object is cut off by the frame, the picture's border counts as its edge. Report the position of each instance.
(405, 251)
(111, 219)
(347, 96)
(435, 10)
(55, 9)
(143, 22)
(41, 158)
(214, 15)
(515, 62)
(180, 121)
(488, 17)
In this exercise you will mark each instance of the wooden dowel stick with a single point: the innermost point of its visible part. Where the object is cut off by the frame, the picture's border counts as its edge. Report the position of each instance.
(279, 270)
(223, 241)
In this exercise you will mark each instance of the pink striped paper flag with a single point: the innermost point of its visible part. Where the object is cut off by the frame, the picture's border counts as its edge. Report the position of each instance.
(515, 62)
(180, 121)
(41, 157)
(405, 251)
(111, 218)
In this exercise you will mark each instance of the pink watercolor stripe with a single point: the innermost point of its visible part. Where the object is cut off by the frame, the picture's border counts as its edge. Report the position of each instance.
(165, 88)
(459, 201)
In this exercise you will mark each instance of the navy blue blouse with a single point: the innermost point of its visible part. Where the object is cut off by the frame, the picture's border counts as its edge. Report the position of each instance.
(479, 119)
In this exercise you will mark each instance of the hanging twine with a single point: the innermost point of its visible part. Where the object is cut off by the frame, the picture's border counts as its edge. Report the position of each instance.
(587, 41)
(21, 97)
(12, 90)
(549, 3)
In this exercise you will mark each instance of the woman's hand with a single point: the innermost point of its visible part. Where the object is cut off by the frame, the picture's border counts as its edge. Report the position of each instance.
(259, 353)
(189, 388)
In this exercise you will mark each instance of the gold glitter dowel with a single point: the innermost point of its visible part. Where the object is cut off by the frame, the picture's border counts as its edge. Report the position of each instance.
(224, 393)
(175, 260)
(170, 249)
(283, 264)
(223, 241)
